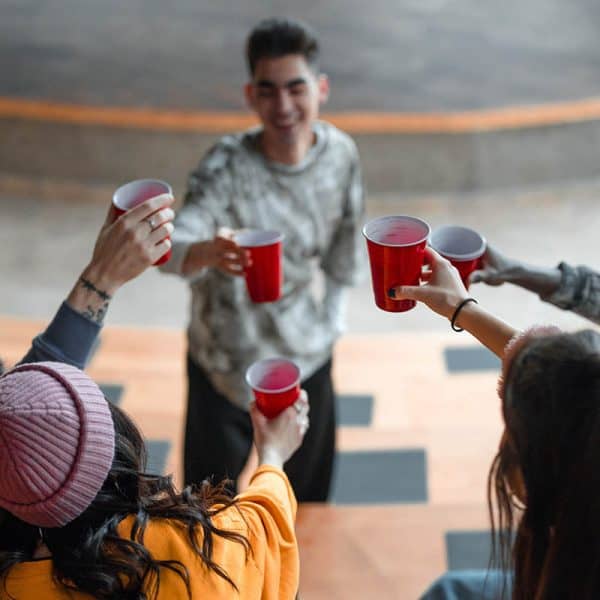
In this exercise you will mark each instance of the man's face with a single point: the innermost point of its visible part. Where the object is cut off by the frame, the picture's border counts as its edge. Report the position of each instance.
(286, 95)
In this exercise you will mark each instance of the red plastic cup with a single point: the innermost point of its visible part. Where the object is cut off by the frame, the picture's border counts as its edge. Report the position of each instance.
(396, 246)
(264, 275)
(131, 194)
(462, 246)
(275, 383)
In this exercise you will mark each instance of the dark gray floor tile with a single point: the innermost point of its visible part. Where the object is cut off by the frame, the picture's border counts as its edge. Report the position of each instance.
(354, 409)
(157, 455)
(468, 549)
(460, 359)
(380, 477)
(112, 391)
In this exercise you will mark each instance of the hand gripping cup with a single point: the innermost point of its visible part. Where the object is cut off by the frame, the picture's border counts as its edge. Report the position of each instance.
(396, 246)
(264, 275)
(275, 383)
(462, 246)
(132, 194)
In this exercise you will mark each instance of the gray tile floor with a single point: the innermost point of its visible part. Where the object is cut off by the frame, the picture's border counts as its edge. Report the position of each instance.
(380, 477)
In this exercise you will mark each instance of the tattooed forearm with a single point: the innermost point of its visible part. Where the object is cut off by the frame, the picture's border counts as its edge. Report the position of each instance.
(96, 314)
(88, 285)
(91, 303)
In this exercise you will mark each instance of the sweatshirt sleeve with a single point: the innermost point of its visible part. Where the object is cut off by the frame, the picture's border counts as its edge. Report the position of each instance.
(269, 507)
(344, 260)
(579, 291)
(204, 209)
(69, 338)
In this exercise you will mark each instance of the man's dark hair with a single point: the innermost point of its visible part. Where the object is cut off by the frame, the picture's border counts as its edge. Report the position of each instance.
(274, 38)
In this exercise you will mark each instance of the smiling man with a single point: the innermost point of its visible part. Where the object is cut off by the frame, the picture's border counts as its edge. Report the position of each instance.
(299, 176)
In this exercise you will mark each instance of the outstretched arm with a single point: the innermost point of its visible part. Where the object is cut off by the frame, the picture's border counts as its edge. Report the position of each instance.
(571, 288)
(443, 293)
(498, 269)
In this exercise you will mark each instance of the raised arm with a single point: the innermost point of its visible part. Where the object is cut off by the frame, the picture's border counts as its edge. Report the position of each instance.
(444, 291)
(571, 288)
(498, 269)
(124, 249)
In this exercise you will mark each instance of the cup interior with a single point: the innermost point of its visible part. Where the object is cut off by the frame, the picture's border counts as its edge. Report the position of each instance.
(396, 231)
(273, 375)
(131, 194)
(254, 238)
(457, 242)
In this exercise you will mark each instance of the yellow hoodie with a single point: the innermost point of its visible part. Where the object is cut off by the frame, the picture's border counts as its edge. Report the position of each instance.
(271, 572)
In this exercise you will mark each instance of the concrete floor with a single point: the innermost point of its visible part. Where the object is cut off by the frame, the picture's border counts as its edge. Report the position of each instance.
(47, 242)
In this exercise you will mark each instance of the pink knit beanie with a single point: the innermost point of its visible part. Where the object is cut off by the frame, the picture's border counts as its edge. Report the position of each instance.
(56, 442)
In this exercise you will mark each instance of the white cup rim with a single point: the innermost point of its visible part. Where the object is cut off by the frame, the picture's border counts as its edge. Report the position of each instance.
(263, 363)
(463, 256)
(139, 182)
(257, 238)
(416, 220)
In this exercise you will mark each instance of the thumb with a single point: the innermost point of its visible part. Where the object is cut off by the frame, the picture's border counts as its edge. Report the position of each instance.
(258, 419)
(406, 292)
(477, 276)
(111, 215)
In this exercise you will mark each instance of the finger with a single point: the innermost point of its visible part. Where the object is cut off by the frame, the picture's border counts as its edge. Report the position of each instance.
(255, 413)
(303, 396)
(231, 261)
(226, 244)
(477, 277)
(432, 257)
(302, 401)
(231, 269)
(226, 233)
(149, 207)
(407, 292)
(111, 215)
(160, 233)
(159, 250)
(166, 215)
(236, 257)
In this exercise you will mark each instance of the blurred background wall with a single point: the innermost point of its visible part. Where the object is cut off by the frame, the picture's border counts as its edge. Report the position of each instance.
(440, 95)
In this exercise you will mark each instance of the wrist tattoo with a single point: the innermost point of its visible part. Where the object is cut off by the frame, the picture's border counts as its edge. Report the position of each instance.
(96, 314)
(88, 285)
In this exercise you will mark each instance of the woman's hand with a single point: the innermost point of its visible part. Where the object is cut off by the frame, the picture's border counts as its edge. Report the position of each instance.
(443, 290)
(278, 438)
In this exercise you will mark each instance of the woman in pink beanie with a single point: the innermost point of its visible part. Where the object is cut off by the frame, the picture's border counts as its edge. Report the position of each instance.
(80, 518)
(545, 479)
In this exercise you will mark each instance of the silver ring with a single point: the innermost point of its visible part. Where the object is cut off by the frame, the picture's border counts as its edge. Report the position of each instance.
(150, 222)
(298, 408)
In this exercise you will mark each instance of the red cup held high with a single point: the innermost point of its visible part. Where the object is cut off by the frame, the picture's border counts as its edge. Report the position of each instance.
(132, 194)
(396, 246)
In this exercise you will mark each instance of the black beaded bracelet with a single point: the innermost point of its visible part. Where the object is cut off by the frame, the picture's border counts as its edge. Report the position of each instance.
(457, 310)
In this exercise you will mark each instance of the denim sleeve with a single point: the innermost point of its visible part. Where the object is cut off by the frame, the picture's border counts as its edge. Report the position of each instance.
(69, 338)
(579, 291)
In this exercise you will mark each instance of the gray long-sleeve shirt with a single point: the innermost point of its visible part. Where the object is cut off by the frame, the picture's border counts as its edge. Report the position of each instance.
(318, 205)
(69, 338)
(579, 291)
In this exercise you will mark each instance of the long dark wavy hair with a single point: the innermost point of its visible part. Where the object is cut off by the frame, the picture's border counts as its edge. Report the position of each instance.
(88, 554)
(545, 479)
